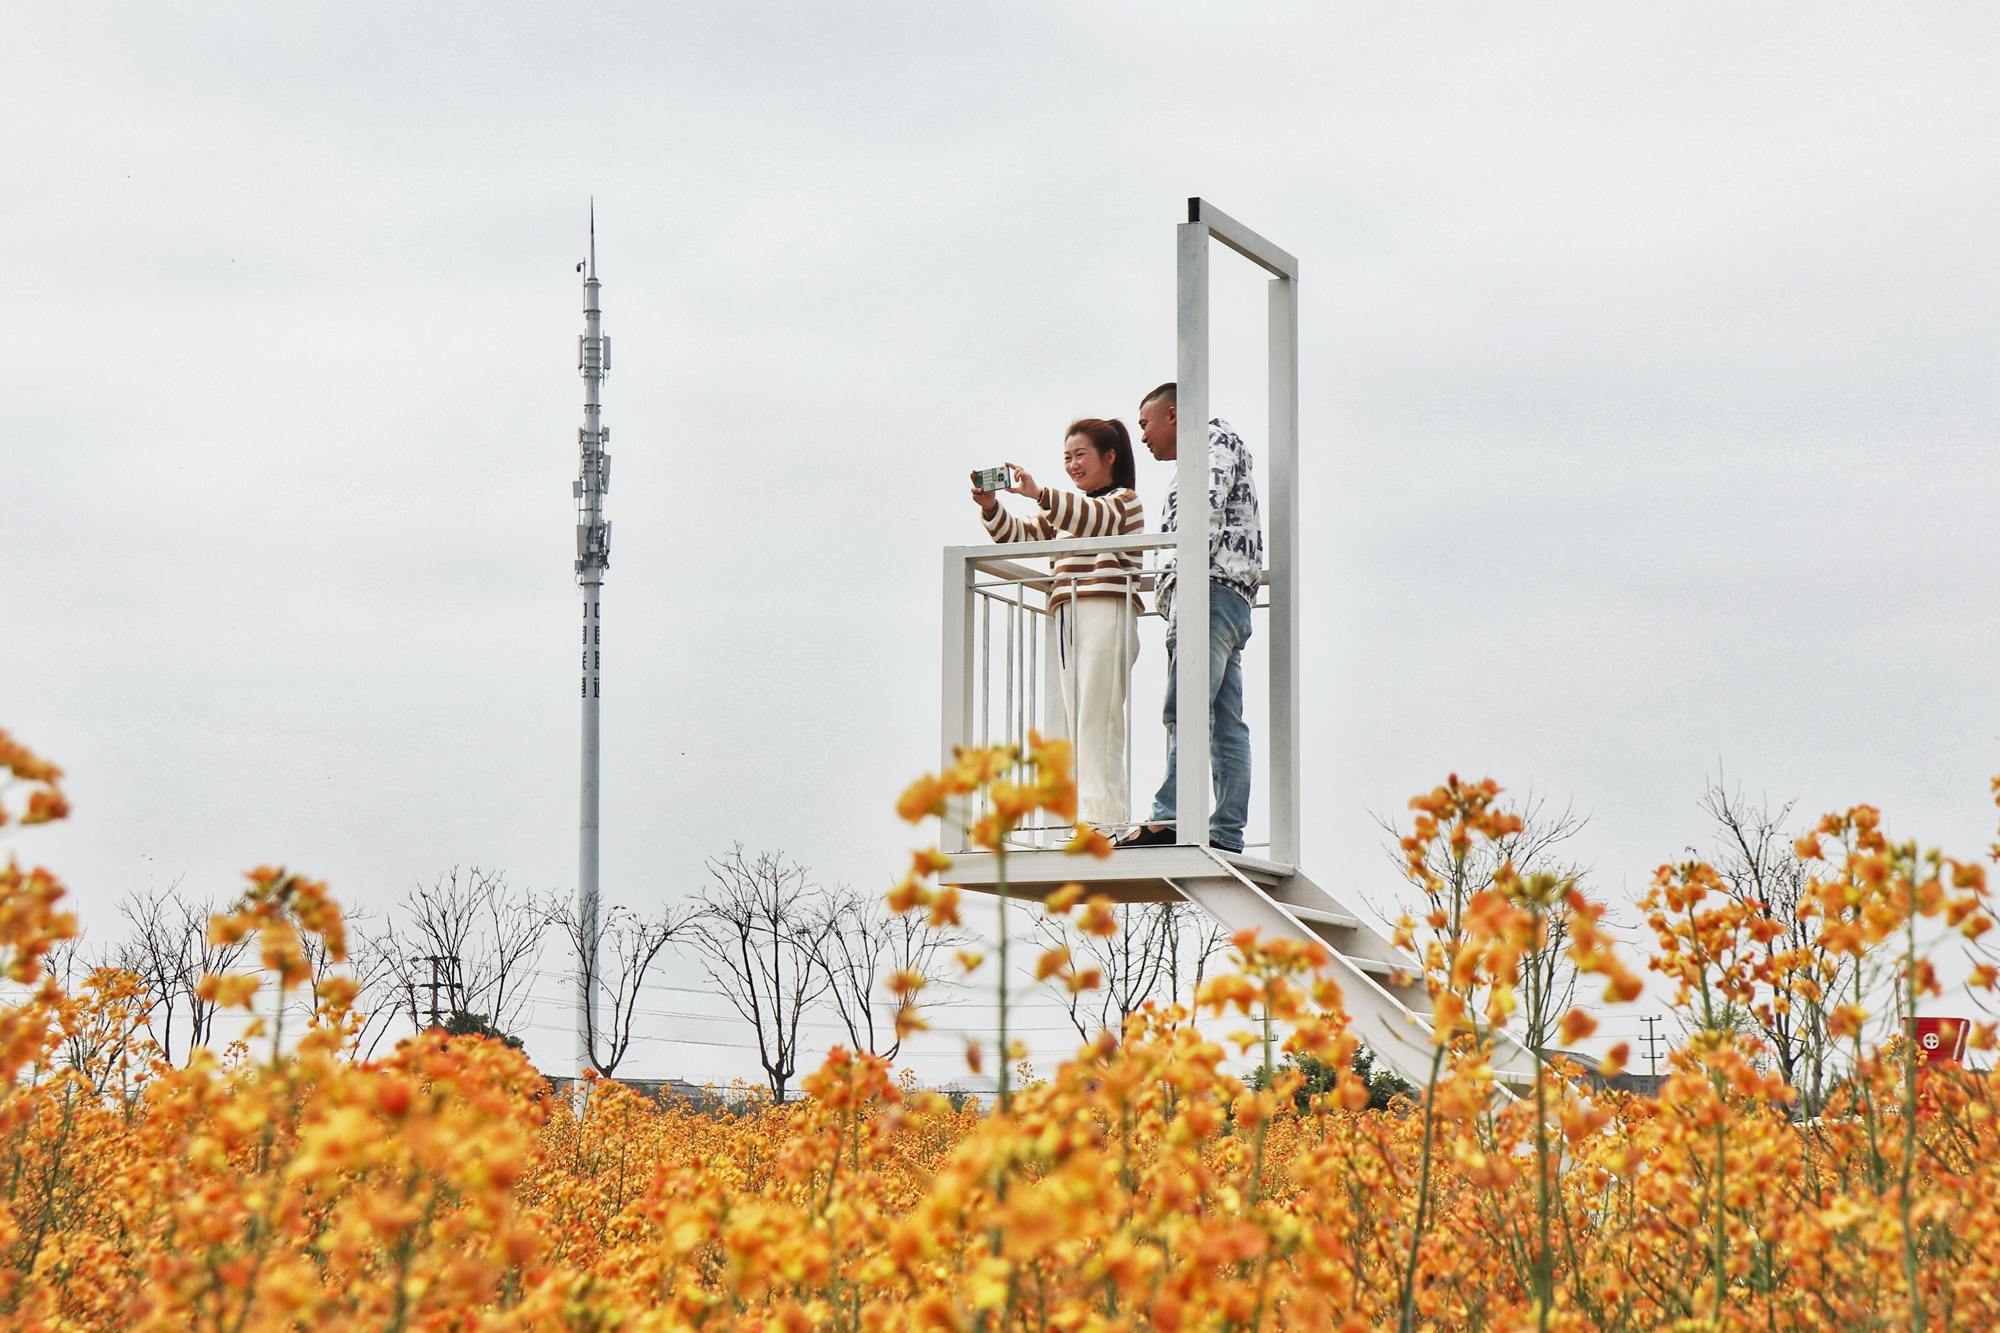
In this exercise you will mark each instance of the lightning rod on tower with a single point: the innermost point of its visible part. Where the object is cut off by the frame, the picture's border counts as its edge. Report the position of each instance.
(593, 557)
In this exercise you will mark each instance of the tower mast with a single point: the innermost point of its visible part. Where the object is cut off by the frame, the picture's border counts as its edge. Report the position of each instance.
(593, 557)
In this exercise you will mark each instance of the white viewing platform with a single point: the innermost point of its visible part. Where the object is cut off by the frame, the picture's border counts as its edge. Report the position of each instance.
(1000, 682)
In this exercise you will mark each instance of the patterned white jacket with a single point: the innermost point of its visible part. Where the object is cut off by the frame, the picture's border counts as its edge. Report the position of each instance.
(1236, 545)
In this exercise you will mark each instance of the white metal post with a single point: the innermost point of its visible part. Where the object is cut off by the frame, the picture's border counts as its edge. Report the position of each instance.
(1055, 708)
(1190, 627)
(1204, 221)
(1283, 560)
(959, 685)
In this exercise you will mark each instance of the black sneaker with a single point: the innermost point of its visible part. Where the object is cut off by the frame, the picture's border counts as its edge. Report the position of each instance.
(1144, 836)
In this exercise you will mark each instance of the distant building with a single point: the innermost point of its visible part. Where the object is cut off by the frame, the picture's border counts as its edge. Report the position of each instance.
(1646, 1085)
(664, 1092)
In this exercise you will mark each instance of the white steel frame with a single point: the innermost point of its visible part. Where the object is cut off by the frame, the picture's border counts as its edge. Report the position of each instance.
(960, 686)
(1382, 984)
(1191, 595)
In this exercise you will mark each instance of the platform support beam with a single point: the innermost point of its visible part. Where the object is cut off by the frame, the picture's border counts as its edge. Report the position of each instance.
(959, 688)
(1195, 516)
(1282, 559)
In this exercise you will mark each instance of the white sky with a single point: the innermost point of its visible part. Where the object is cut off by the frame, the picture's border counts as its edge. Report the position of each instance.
(1648, 402)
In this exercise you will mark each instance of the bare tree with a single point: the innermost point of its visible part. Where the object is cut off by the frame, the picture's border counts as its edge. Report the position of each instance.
(168, 949)
(320, 966)
(1157, 948)
(69, 963)
(383, 962)
(462, 947)
(104, 1044)
(1193, 939)
(1754, 856)
(863, 946)
(155, 951)
(761, 930)
(615, 962)
(204, 958)
(1537, 848)
(374, 961)
(1131, 966)
(1550, 977)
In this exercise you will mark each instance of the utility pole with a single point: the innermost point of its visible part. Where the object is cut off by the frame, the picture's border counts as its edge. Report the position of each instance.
(434, 960)
(1652, 1040)
(593, 557)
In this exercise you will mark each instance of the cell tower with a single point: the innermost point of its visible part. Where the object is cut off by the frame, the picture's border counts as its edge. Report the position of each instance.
(593, 557)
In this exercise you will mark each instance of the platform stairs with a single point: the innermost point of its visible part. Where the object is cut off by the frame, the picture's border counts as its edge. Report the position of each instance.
(1001, 683)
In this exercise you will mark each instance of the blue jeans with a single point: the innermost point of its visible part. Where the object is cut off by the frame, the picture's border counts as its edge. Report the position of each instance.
(1228, 737)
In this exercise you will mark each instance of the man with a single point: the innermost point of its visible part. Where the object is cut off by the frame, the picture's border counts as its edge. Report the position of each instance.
(1235, 567)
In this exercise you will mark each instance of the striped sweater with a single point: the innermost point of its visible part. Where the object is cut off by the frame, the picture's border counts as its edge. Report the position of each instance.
(1067, 514)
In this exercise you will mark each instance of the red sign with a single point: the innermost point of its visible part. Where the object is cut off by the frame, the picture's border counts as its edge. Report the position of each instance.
(1942, 1039)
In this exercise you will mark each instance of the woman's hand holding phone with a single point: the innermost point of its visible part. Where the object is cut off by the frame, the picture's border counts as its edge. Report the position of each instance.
(988, 501)
(1024, 484)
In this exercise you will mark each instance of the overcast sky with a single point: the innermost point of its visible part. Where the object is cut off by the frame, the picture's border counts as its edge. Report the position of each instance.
(1648, 407)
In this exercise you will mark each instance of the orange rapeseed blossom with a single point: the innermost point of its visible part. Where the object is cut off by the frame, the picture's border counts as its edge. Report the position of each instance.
(1144, 1184)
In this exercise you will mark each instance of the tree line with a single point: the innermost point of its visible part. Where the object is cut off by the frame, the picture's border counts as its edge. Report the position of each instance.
(463, 951)
(1799, 976)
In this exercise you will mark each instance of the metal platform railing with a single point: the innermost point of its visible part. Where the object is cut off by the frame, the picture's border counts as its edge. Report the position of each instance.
(1003, 647)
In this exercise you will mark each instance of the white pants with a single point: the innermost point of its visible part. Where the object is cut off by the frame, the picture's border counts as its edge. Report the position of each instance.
(1099, 641)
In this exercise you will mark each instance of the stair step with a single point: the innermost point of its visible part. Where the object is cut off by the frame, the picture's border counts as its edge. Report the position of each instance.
(1319, 916)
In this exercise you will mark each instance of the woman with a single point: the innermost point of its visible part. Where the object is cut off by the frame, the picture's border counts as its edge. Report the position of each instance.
(1094, 603)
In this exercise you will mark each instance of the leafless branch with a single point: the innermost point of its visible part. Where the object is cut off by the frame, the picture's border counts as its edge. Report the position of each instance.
(865, 944)
(1755, 858)
(463, 946)
(616, 960)
(762, 927)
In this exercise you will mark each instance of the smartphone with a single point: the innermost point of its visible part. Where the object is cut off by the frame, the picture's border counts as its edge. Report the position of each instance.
(993, 478)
